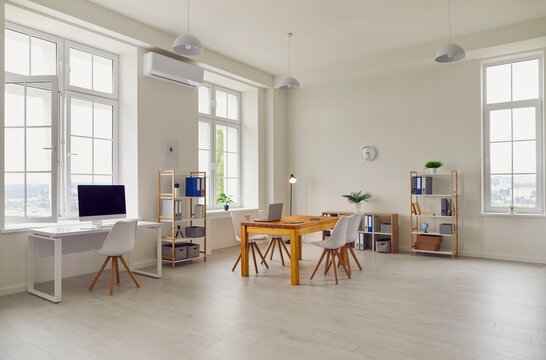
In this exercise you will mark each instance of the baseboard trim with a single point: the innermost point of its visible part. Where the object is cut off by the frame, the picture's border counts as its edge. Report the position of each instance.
(13, 289)
(491, 256)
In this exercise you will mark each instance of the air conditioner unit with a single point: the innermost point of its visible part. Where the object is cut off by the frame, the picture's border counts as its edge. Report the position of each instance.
(165, 68)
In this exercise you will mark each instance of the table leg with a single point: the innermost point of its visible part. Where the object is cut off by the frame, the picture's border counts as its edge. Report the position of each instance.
(58, 269)
(244, 251)
(300, 246)
(159, 269)
(30, 264)
(295, 244)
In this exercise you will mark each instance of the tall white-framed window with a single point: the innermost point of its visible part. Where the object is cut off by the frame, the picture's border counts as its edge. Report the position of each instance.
(219, 142)
(513, 120)
(53, 130)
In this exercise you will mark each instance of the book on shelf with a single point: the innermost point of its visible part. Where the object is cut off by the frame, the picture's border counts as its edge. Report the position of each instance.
(195, 187)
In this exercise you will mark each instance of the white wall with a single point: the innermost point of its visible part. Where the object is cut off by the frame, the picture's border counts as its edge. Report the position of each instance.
(411, 117)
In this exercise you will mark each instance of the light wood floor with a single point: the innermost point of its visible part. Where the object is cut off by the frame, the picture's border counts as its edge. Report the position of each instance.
(399, 307)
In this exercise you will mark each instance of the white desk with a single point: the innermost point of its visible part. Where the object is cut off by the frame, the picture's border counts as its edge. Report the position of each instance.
(67, 239)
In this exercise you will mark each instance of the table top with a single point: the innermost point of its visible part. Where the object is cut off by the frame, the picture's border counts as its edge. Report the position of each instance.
(284, 222)
(82, 228)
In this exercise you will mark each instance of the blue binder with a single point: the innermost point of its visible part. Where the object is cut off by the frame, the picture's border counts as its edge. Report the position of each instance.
(194, 186)
(419, 185)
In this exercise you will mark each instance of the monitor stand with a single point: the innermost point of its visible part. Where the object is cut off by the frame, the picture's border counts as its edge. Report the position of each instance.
(95, 225)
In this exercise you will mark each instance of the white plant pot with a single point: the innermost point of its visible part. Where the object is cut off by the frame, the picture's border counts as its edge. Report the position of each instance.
(358, 207)
(433, 171)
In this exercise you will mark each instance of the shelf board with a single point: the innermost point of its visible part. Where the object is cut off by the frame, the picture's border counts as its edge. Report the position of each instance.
(181, 197)
(374, 232)
(433, 195)
(435, 252)
(181, 220)
(180, 240)
(430, 233)
(201, 256)
(435, 216)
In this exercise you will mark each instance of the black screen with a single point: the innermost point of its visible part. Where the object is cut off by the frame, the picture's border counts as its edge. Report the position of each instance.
(101, 200)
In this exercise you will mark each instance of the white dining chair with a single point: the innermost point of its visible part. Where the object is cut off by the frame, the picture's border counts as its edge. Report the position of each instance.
(331, 246)
(120, 240)
(352, 237)
(237, 217)
(274, 240)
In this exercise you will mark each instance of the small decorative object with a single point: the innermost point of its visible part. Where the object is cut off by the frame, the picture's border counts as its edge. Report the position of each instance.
(425, 227)
(433, 166)
(170, 153)
(356, 198)
(176, 190)
(179, 232)
(512, 209)
(368, 153)
(226, 200)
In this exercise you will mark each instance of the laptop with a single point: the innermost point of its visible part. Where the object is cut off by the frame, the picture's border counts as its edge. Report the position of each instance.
(275, 213)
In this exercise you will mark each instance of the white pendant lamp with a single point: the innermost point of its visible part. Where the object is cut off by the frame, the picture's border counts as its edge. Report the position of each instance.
(450, 52)
(187, 44)
(289, 83)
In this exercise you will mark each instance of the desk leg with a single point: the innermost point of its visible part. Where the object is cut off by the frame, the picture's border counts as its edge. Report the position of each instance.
(30, 265)
(295, 244)
(57, 274)
(244, 251)
(58, 268)
(300, 242)
(159, 268)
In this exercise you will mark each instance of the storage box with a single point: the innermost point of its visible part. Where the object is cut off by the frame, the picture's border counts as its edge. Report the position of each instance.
(179, 251)
(446, 229)
(383, 245)
(385, 228)
(194, 231)
(192, 250)
(428, 242)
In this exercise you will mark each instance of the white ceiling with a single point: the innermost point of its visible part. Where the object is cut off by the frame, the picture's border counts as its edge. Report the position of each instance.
(328, 33)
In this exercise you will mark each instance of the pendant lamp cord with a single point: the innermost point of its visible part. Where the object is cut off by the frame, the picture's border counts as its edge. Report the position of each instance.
(188, 14)
(449, 21)
(289, 37)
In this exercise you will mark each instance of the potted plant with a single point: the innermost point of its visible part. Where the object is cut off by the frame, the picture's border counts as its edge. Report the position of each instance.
(511, 207)
(433, 166)
(356, 198)
(226, 200)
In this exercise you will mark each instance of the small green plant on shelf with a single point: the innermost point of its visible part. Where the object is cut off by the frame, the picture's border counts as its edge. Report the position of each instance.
(356, 198)
(512, 208)
(433, 166)
(225, 199)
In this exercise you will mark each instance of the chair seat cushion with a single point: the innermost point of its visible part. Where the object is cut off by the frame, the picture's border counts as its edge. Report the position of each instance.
(256, 237)
(324, 244)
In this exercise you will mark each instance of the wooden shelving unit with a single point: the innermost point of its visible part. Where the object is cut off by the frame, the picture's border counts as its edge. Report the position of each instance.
(166, 180)
(377, 219)
(448, 185)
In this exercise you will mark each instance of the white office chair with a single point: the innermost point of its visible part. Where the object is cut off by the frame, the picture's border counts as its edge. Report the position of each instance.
(237, 218)
(274, 240)
(331, 247)
(120, 240)
(352, 236)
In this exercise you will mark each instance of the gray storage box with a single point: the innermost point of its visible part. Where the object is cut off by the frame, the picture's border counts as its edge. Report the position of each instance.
(192, 250)
(383, 245)
(179, 251)
(385, 228)
(194, 231)
(445, 229)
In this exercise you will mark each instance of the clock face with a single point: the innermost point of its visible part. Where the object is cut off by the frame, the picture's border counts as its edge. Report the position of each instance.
(368, 153)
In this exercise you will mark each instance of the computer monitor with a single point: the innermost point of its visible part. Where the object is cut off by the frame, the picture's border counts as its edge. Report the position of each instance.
(101, 202)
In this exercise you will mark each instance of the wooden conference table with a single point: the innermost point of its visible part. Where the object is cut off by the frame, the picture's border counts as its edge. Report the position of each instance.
(284, 228)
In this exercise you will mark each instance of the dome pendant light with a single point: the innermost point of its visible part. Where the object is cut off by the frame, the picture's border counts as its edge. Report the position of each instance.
(450, 52)
(187, 44)
(289, 83)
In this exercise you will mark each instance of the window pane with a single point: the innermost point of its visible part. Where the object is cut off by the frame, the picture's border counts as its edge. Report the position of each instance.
(38, 105)
(525, 190)
(17, 52)
(14, 105)
(525, 157)
(524, 123)
(220, 164)
(500, 158)
(498, 86)
(233, 140)
(219, 188)
(233, 189)
(14, 195)
(43, 57)
(38, 195)
(500, 126)
(102, 74)
(102, 180)
(14, 154)
(81, 158)
(204, 100)
(103, 120)
(232, 165)
(76, 180)
(103, 156)
(204, 160)
(233, 107)
(501, 193)
(38, 158)
(525, 80)
(81, 69)
(221, 103)
(221, 138)
(81, 117)
(204, 135)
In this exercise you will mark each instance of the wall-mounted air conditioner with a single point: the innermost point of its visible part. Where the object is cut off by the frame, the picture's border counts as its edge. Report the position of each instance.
(165, 68)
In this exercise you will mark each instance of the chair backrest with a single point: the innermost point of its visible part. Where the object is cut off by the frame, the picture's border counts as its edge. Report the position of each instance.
(237, 217)
(339, 234)
(263, 214)
(352, 228)
(121, 238)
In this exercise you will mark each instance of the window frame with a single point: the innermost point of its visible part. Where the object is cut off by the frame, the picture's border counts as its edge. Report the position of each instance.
(539, 130)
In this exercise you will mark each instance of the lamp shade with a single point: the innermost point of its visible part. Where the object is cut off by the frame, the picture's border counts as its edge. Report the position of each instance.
(292, 179)
(289, 83)
(449, 53)
(187, 44)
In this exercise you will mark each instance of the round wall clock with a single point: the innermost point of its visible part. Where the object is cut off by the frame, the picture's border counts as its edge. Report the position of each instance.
(368, 152)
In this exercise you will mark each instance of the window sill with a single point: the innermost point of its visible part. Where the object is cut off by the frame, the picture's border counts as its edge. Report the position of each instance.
(221, 213)
(520, 215)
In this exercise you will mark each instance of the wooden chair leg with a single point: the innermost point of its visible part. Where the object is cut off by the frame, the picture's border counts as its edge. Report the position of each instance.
(263, 257)
(272, 241)
(99, 273)
(129, 271)
(285, 248)
(112, 271)
(318, 264)
(331, 253)
(334, 252)
(236, 262)
(280, 251)
(340, 259)
(117, 269)
(254, 257)
(354, 257)
(272, 250)
(326, 265)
